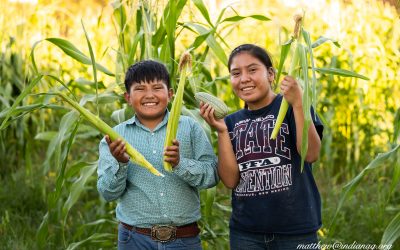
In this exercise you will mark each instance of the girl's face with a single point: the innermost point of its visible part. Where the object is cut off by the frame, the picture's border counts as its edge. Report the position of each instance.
(251, 80)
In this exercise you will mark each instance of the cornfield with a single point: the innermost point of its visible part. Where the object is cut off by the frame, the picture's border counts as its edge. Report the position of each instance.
(48, 152)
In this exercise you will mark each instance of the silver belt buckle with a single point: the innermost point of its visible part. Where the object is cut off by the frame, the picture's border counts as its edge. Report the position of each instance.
(163, 233)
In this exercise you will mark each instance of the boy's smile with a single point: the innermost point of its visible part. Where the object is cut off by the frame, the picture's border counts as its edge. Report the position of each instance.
(149, 101)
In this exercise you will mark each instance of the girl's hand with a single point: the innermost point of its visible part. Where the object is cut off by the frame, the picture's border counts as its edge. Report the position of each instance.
(291, 91)
(118, 149)
(207, 112)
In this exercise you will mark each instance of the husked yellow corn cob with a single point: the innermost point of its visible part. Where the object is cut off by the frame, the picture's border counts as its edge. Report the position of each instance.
(104, 128)
(173, 119)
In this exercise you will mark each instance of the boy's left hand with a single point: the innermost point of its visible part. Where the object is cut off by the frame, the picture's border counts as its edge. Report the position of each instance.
(172, 153)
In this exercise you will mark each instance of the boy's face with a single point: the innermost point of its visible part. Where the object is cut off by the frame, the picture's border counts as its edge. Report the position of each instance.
(149, 99)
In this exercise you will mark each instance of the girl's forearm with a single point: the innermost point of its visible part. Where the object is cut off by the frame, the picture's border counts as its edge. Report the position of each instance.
(228, 169)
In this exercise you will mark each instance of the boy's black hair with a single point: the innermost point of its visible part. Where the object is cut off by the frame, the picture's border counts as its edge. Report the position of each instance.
(254, 50)
(146, 71)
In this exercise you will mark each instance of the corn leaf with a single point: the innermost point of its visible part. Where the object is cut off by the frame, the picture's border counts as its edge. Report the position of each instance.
(239, 18)
(46, 136)
(54, 197)
(42, 232)
(55, 145)
(102, 98)
(381, 160)
(211, 192)
(118, 116)
(307, 39)
(97, 237)
(24, 93)
(203, 10)
(396, 126)
(392, 231)
(74, 169)
(396, 176)
(78, 187)
(211, 42)
(20, 109)
(200, 39)
(94, 226)
(322, 40)
(340, 72)
(119, 15)
(75, 53)
(93, 61)
(284, 53)
(306, 103)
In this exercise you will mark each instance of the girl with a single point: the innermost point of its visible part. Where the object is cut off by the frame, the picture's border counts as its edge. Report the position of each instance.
(274, 204)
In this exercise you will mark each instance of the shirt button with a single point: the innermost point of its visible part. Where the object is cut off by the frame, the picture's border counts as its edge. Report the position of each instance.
(154, 151)
(165, 215)
(152, 134)
(161, 194)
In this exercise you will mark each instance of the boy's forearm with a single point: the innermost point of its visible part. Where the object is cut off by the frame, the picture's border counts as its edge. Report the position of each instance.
(314, 142)
(111, 182)
(200, 173)
(228, 169)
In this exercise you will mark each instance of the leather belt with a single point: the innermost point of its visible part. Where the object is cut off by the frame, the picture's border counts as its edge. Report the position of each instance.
(166, 233)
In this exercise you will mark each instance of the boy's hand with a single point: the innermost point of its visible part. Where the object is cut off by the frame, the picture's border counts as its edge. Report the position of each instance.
(172, 153)
(118, 149)
(292, 92)
(207, 112)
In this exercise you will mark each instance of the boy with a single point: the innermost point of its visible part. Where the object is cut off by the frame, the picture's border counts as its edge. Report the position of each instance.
(155, 211)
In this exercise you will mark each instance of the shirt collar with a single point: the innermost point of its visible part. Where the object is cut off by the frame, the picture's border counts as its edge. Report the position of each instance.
(135, 121)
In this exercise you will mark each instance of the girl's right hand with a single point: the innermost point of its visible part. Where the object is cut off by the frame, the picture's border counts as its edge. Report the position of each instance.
(207, 112)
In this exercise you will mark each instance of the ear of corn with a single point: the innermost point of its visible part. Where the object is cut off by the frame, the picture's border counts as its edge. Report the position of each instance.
(220, 108)
(103, 127)
(285, 105)
(295, 61)
(173, 119)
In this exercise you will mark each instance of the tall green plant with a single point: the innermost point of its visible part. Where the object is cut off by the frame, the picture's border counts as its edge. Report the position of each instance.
(302, 61)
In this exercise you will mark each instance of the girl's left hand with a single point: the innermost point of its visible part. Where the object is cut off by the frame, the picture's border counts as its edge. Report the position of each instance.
(291, 91)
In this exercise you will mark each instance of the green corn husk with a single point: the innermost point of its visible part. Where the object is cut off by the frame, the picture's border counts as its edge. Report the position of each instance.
(285, 105)
(104, 128)
(173, 119)
(295, 61)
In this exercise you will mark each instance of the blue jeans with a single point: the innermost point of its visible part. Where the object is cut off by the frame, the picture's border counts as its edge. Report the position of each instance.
(132, 240)
(240, 240)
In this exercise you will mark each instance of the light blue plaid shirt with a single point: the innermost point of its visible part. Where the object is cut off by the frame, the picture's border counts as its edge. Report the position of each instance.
(146, 199)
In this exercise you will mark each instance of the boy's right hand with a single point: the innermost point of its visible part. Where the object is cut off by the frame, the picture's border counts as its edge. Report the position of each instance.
(207, 112)
(118, 149)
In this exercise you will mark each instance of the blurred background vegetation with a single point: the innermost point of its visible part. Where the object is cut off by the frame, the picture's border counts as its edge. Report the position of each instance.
(48, 195)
